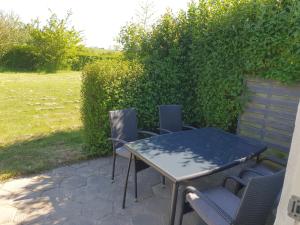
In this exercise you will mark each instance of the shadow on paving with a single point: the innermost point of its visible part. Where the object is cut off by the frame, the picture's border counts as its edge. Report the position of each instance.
(82, 194)
(40, 153)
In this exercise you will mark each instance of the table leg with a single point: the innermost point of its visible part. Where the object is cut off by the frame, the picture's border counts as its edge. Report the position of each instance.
(163, 181)
(126, 182)
(135, 179)
(173, 203)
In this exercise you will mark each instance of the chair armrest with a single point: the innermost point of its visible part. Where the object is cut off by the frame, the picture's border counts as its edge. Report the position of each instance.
(281, 162)
(118, 140)
(165, 130)
(250, 170)
(191, 189)
(189, 127)
(209, 202)
(147, 132)
(236, 179)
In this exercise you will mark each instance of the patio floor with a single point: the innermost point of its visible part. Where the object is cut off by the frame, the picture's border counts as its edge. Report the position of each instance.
(83, 194)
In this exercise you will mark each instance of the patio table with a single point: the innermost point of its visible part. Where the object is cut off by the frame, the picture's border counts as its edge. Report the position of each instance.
(186, 155)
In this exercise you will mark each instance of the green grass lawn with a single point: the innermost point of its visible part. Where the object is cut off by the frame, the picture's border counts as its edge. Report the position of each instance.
(39, 122)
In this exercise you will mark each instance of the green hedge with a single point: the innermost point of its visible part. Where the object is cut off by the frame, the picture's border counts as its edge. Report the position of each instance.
(19, 58)
(198, 58)
(106, 85)
(213, 45)
(23, 58)
(82, 59)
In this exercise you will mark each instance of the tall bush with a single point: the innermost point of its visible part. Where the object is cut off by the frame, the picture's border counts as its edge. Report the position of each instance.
(106, 85)
(12, 32)
(54, 44)
(20, 58)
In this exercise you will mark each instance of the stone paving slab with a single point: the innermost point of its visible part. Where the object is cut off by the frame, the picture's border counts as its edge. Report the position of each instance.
(83, 194)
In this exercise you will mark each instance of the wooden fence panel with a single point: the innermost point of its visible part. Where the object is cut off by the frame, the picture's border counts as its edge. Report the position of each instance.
(271, 112)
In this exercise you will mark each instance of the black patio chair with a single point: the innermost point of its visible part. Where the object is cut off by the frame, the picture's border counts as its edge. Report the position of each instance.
(124, 129)
(219, 206)
(170, 119)
(260, 168)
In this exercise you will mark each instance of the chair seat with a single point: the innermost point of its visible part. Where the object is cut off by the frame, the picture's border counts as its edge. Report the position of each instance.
(122, 151)
(223, 198)
(264, 170)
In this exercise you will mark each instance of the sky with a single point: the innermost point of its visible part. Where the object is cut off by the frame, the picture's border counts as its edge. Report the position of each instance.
(99, 20)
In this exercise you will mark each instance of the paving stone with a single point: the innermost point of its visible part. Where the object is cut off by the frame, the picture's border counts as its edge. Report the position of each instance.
(116, 220)
(7, 214)
(65, 171)
(67, 209)
(17, 184)
(6, 197)
(46, 221)
(192, 218)
(87, 170)
(55, 195)
(79, 165)
(102, 186)
(161, 191)
(81, 221)
(157, 205)
(97, 209)
(73, 182)
(101, 162)
(83, 194)
(32, 210)
(147, 219)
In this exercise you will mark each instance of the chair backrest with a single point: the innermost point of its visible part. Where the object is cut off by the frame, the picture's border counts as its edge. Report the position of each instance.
(123, 125)
(170, 117)
(270, 114)
(258, 199)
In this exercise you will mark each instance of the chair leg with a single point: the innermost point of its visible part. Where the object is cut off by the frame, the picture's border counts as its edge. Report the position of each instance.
(126, 182)
(135, 179)
(181, 212)
(113, 167)
(173, 203)
(258, 158)
(182, 206)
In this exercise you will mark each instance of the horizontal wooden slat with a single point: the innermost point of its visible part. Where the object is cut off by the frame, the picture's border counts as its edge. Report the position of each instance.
(278, 147)
(269, 118)
(285, 137)
(290, 91)
(279, 98)
(280, 103)
(250, 135)
(278, 136)
(280, 126)
(277, 114)
(289, 127)
(250, 129)
(279, 91)
(251, 119)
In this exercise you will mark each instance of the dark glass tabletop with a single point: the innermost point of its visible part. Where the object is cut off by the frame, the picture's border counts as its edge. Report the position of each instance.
(194, 153)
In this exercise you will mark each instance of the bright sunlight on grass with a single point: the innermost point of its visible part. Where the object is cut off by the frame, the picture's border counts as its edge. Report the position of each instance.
(39, 121)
